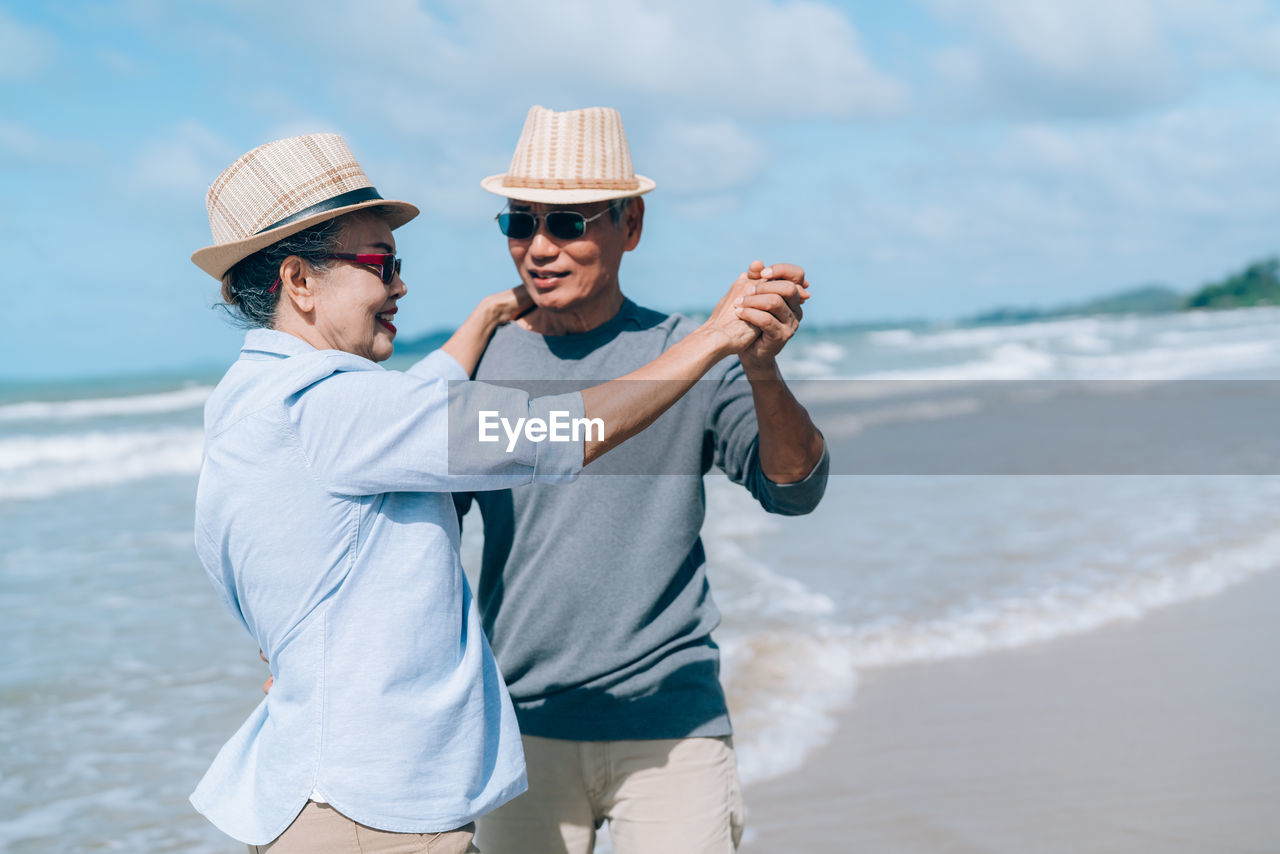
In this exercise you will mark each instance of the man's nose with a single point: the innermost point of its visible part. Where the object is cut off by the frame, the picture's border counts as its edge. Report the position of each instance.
(542, 246)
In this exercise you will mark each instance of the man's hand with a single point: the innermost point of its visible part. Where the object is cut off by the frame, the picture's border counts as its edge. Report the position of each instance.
(790, 445)
(266, 686)
(772, 302)
(726, 318)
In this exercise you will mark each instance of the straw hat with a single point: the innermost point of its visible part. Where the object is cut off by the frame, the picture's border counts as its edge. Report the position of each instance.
(280, 188)
(569, 158)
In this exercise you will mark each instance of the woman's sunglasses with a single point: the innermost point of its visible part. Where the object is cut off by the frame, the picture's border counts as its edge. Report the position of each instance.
(562, 225)
(388, 266)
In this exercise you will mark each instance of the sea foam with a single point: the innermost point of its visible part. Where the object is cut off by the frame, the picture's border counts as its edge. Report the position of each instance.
(181, 399)
(793, 656)
(786, 662)
(1057, 611)
(40, 466)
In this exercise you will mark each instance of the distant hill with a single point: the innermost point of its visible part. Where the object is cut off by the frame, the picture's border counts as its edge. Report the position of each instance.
(1146, 299)
(423, 343)
(1257, 284)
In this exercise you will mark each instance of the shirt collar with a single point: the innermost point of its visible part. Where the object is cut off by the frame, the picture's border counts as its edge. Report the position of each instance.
(273, 342)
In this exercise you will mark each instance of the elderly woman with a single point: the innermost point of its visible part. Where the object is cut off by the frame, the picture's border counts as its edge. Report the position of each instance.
(324, 521)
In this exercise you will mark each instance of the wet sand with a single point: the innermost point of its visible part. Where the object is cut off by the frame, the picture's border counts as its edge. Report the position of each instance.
(1161, 735)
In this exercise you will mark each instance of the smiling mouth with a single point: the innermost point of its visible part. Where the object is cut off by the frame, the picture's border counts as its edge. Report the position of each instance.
(385, 319)
(544, 278)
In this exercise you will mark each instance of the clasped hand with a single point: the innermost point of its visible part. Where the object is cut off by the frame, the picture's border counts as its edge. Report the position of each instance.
(761, 311)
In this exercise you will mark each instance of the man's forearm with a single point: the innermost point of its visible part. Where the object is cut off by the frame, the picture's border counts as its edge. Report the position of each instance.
(790, 445)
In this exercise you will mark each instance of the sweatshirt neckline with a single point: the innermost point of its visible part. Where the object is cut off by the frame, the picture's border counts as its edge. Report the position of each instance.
(607, 329)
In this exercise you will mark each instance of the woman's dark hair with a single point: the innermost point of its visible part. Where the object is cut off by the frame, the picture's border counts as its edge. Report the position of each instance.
(246, 287)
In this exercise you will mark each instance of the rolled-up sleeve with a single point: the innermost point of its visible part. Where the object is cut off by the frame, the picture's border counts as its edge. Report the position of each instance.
(438, 365)
(476, 405)
(731, 422)
(369, 432)
(788, 499)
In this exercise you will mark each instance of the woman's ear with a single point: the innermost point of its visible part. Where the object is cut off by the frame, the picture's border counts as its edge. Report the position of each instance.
(297, 282)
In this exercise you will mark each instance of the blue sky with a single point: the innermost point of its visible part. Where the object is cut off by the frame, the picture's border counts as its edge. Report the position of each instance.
(921, 159)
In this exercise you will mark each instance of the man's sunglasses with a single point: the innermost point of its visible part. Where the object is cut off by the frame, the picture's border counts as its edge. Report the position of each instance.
(562, 225)
(388, 266)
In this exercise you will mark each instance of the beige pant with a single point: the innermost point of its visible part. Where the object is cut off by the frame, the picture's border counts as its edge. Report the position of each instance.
(320, 829)
(669, 796)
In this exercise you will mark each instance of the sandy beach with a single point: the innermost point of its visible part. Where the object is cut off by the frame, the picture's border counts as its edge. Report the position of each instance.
(1161, 735)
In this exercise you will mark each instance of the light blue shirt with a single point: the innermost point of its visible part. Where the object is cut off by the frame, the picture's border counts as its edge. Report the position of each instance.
(324, 520)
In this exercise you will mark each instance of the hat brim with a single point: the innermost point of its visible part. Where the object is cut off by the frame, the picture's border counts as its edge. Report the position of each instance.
(580, 196)
(217, 260)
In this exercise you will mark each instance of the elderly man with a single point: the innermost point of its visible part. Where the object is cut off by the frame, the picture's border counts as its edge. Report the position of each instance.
(595, 597)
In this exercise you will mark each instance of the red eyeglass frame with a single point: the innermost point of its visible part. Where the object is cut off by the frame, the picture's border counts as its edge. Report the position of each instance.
(387, 263)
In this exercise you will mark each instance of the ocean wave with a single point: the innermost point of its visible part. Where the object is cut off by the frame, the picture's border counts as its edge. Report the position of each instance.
(848, 425)
(1092, 358)
(1056, 612)
(784, 688)
(1010, 361)
(781, 712)
(34, 467)
(977, 337)
(891, 337)
(1265, 316)
(792, 658)
(1162, 347)
(20, 452)
(787, 685)
(1177, 363)
(191, 397)
(812, 360)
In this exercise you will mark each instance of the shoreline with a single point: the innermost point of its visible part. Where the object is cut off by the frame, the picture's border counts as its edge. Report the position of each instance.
(1154, 735)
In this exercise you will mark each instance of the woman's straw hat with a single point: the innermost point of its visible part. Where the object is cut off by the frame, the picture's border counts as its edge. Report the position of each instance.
(569, 158)
(280, 188)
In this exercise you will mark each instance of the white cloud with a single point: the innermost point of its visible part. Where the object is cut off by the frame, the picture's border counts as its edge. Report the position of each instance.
(1244, 33)
(1097, 58)
(119, 63)
(25, 51)
(181, 166)
(1070, 38)
(960, 66)
(19, 142)
(705, 157)
(1049, 212)
(1187, 163)
(29, 146)
(742, 58)
(1087, 57)
(700, 86)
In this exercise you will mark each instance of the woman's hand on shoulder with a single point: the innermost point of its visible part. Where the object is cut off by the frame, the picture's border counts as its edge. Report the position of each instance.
(468, 343)
(506, 306)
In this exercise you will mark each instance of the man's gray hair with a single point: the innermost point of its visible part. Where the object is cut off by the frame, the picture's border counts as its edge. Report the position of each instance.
(618, 207)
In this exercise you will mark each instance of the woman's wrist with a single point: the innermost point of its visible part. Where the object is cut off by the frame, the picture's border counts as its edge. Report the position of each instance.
(712, 343)
(485, 317)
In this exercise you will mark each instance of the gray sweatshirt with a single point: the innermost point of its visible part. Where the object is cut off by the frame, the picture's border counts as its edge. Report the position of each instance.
(594, 594)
